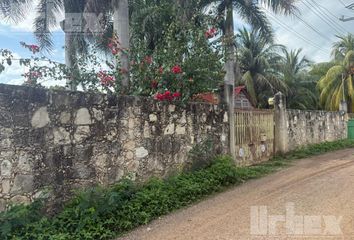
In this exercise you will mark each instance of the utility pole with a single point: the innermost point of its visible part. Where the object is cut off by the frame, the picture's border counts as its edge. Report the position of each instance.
(344, 19)
(343, 104)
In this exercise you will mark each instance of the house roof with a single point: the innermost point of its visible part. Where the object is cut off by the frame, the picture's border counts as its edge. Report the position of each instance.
(240, 89)
(243, 89)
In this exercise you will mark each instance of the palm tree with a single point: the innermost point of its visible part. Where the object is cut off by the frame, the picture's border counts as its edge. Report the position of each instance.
(337, 84)
(14, 10)
(343, 46)
(74, 42)
(150, 20)
(259, 62)
(121, 28)
(252, 13)
(301, 91)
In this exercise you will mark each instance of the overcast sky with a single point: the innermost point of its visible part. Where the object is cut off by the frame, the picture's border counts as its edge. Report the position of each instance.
(314, 31)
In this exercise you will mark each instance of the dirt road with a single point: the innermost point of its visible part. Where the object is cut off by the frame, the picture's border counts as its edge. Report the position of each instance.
(314, 199)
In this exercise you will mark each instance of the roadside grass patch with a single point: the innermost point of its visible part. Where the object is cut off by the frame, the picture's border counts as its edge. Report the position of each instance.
(105, 213)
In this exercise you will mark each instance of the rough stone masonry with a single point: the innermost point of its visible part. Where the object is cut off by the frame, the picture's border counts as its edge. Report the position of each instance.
(52, 142)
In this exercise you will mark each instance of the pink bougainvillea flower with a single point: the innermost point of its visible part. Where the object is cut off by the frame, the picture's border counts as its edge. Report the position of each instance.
(33, 75)
(177, 69)
(33, 48)
(114, 46)
(106, 79)
(211, 33)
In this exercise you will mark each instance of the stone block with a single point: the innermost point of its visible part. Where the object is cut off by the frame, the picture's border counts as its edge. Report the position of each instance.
(65, 118)
(141, 152)
(83, 117)
(6, 168)
(61, 136)
(22, 184)
(170, 129)
(40, 118)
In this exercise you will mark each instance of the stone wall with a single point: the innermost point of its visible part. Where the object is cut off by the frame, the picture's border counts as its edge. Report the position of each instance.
(312, 127)
(56, 141)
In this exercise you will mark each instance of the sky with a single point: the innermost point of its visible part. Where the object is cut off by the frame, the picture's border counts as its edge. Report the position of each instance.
(314, 30)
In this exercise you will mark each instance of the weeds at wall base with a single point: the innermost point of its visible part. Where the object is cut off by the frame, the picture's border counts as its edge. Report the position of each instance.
(107, 213)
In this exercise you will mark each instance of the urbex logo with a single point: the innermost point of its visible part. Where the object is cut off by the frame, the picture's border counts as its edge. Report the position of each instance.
(293, 225)
(85, 22)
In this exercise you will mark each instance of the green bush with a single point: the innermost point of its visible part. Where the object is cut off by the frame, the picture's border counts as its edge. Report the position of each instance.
(106, 213)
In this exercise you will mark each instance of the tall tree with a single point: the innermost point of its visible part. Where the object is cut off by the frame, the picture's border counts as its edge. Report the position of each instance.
(337, 84)
(121, 29)
(259, 62)
(252, 13)
(295, 69)
(343, 46)
(14, 10)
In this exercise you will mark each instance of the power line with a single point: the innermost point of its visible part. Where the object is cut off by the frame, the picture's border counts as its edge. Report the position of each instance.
(299, 35)
(344, 4)
(325, 11)
(320, 14)
(311, 27)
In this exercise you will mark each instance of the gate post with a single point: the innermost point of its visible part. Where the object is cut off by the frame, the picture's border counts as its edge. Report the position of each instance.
(280, 129)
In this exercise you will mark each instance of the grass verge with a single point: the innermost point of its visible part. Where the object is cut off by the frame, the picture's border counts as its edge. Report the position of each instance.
(107, 213)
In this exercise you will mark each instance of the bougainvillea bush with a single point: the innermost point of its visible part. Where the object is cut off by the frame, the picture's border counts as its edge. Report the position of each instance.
(185, 63)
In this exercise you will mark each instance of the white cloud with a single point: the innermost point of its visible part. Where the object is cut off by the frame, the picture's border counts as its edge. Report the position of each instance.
(13, 74)
(26, 25)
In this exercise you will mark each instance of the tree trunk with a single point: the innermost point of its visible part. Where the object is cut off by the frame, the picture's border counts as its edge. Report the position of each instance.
(70, 59)
(121, 28)
(230, 77)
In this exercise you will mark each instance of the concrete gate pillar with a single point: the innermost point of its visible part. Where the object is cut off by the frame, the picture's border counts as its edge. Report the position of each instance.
(281, 141)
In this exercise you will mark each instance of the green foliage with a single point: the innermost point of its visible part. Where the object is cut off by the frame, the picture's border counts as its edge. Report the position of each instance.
(337, 84)
(106, 213)
(183, 45)
(259, 61)
(301, 93)
(201, 155)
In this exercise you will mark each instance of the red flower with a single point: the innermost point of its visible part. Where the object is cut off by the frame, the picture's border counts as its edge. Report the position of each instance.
(159, 97)
(210, 33)
(148, 60)
(177, 69)
(177, 95)
(34, 48)
(113, 45)
(105, 79)
(33, 75)
(167, 96)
